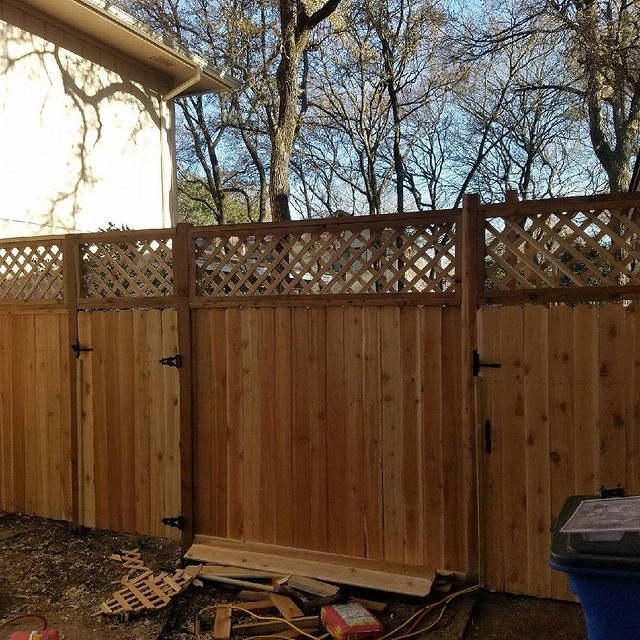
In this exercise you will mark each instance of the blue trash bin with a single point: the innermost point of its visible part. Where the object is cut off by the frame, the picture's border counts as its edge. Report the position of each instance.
(604, 575)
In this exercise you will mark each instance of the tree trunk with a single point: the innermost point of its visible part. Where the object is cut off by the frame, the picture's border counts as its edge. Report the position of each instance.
(296, 26)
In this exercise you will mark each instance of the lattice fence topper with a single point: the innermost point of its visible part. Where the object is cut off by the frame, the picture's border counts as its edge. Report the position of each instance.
(409, 259)
(31, 271)
(118, 268)
(592, 247)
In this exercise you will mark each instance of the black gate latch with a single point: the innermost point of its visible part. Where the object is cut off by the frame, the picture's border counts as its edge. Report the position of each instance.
(172, 361)
(476, 364)
(177, 522)
(76, 348)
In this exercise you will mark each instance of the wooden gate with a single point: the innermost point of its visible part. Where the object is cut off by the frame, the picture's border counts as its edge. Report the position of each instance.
(560, 417)
(129, 408)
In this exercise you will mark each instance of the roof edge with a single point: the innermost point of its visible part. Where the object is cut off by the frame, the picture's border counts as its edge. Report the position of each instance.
(218, 78)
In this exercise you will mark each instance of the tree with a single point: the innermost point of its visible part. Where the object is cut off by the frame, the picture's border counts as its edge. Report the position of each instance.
(296, 25)
(598, 61)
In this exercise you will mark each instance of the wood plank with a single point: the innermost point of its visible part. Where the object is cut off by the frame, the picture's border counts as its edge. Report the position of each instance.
(41, 452)
(632, 329)
(431, 450)
(612, 410)
(284, 432)
(87, 432)
(207, 473)
(251, 442)
(217, 428)
(258, 606)
(172, 393)
(455, 515)
(512, 424)
(234, 572)
(6, 421)
(266, 425)
(490, 386)
(20, 330)
(286, 606)
(536, 412)
(586, 398)
(100, 421)
(318, 445)
(66, 437)
(561, 411)
(236, 424)
(372, 574)
(301, 450)
(372, 435)
(353, 511)
(126, 417)
(222, 624)
(392, 435)
(261, 628)
(141, 422)
(314, 587)
(412, 483)
(157, 463)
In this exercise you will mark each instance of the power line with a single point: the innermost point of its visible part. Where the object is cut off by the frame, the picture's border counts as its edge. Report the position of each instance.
(44, 224)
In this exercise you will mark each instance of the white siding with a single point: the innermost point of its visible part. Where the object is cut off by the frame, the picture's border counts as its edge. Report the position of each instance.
(83, 140)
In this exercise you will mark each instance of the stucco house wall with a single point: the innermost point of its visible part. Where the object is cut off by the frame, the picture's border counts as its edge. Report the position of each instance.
(85, 139)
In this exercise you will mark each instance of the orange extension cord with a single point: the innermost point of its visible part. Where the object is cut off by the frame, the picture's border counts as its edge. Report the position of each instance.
(414, 620)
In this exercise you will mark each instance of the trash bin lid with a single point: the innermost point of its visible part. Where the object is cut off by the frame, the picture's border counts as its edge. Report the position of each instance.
(596, 538)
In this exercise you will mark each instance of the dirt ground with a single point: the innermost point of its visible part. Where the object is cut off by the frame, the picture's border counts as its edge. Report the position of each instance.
(48, 569)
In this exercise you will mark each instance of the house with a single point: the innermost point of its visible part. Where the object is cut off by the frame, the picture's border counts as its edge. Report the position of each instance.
(87, 117)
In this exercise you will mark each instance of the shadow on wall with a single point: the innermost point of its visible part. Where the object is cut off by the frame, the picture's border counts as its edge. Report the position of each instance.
(60, 97)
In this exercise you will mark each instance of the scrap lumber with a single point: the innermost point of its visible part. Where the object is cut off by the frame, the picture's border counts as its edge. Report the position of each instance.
(260, 628)
(242, 583)
(257, 607)
(286, 606)
(247, 595)
(314, 587)
(359, 572)
(241, 573)
(372, 605)
(222, 624)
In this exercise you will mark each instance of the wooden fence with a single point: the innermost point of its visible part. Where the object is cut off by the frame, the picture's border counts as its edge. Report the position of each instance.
(317, 385)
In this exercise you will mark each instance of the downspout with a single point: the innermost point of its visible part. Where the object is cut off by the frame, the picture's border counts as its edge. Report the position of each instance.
(184, 86)
(164, 139)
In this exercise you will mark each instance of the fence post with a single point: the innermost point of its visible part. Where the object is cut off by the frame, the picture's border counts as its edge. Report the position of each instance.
(71, 258)
(182, 277)
(472, 276)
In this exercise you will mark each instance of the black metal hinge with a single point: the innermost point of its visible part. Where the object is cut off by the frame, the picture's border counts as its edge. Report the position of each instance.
(476, 364)
(172, 361)
(76, 348)
(177, 522)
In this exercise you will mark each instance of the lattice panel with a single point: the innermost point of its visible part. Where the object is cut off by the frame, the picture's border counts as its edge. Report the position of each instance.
(31, 272)
(588, 248)
(417, 259)
(136, 268)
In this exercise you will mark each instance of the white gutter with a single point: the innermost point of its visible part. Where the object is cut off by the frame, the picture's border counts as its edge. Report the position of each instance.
(184, 86)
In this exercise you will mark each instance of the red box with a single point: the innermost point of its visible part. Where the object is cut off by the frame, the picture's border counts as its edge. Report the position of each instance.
(350, 622)
(47, 634)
